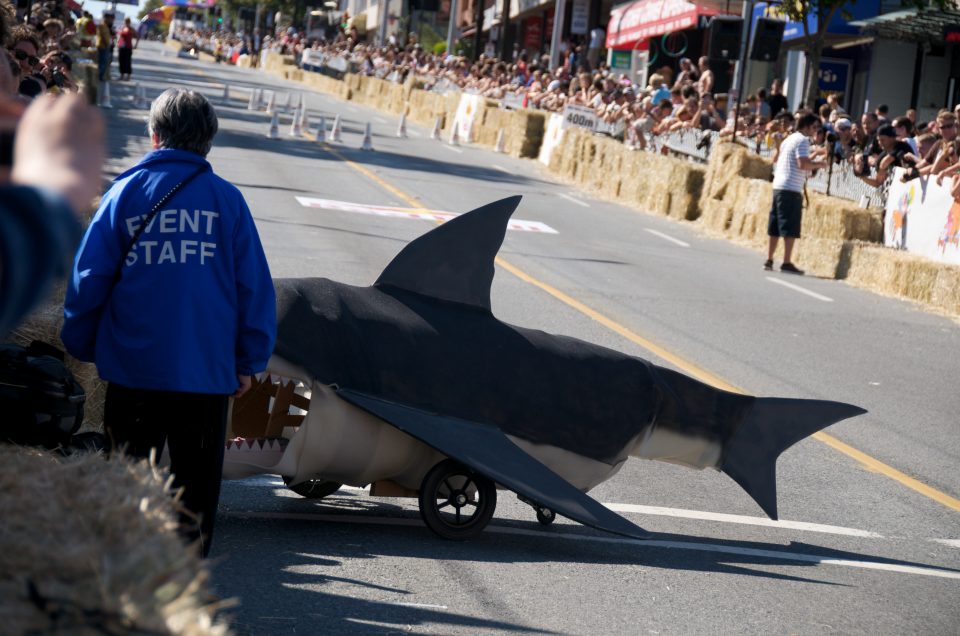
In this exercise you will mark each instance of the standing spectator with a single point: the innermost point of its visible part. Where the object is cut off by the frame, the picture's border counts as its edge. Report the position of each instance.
(126, 41)
(833, 100)
(944, 153)
(687, 75)
(845, 145)
(86, 30)
(705, 83)
(777, 101)
(882, 113)
(597, 38)
(105, 46)
(25, 47)
(660, 91)
(867, 140)
(182, 318)
(905, 132)
(789, 176)
(893, 152)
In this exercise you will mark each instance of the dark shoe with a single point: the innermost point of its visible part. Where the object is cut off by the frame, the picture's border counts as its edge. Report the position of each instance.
(790, 268)
(768, 265)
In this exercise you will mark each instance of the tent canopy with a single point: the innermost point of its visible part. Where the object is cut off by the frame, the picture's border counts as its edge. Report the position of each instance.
(635, 22)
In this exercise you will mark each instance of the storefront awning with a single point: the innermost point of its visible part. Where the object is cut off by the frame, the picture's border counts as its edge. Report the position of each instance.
(911, 24)
(644, 19)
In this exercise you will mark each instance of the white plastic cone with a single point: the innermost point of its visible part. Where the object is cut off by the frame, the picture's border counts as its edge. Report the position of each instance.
(322, 130)
(499, 147)
(454, 137)
(367, 139)
(295, 130)
(435, 133)
(335, 134)
(274, 132)
(304, 119)
(252, 104)
(105, 95)
(272, 103)
(289, 104)
(258, 103)
(226, 92)
(137, 99)
(402, 126)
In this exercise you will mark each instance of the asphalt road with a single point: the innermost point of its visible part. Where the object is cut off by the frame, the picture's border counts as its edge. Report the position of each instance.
(859, 551)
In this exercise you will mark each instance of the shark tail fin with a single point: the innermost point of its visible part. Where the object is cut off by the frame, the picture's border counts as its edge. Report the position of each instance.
(772, 426)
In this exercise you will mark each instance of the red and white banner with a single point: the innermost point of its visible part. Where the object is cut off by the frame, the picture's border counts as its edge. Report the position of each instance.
(645, 19)
(517, 225)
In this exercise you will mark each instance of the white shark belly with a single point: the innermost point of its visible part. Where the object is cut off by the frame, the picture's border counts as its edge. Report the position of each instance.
(583, 472)
(676, 448)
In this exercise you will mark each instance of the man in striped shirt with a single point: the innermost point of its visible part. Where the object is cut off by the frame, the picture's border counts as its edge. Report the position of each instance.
(789, 174)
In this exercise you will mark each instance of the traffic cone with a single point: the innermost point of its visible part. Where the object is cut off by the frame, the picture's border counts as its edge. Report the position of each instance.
(258, 104)
(322, 130)
(499, 147)
(304, 120)
(289, 104)
(105, 95)
(252, 104)
(402, 127)
(367, 139)
(335, 134)
(137, 96)
(274, 127)
(295, 130)
(226, 92)
(435, 133)
(272, 103)
(454, 138)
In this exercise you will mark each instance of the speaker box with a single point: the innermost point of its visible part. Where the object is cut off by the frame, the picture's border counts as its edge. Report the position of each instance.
(725, 32)
(767, 37)
(425, 5)
(722, 75)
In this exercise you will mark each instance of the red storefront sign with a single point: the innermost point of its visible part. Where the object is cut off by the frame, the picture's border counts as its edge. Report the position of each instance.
(532, 33)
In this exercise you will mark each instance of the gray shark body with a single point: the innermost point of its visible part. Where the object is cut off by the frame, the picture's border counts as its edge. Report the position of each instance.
(422, 351)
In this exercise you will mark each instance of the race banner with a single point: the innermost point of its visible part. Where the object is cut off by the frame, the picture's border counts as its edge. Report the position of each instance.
(575, 116)
(551, 138)
(466, 114)
(923, 218)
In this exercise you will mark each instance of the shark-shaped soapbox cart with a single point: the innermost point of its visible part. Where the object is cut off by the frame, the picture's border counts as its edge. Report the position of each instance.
(414, 387)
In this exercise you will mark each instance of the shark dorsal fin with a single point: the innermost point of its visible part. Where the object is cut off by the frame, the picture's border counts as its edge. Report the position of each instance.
(454, 262)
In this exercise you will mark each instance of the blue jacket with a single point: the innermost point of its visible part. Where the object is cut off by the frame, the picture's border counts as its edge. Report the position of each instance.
(195, 305)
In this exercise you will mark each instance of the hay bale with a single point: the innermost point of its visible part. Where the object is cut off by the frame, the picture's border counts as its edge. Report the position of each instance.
(89, 545)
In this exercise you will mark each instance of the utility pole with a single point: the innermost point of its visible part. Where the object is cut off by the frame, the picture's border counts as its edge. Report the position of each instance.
(478, 16)
(452, 28)
(741, 71)
(559, 15)
(384, 16)
(504, 29)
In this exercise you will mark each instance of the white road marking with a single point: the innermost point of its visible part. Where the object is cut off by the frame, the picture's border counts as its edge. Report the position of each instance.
(500, 168)
(518, 225)
(953, 543)
(424, 605)
(452, 149)
(800, 289)
(574, 200)
(667, 237)
(741, 519)
(696, 546)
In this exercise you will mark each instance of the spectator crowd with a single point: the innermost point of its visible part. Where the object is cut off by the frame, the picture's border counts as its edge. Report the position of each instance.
(675, 100)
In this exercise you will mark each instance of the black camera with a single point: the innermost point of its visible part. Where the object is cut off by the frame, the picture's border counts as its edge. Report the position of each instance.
(833, 137)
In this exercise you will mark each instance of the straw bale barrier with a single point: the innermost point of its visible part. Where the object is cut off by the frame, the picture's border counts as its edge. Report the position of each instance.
(522, 129)
(89, 546)
(657, 184)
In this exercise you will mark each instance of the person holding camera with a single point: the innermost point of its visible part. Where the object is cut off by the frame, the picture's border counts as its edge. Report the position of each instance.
(789, 177)
(892, 155)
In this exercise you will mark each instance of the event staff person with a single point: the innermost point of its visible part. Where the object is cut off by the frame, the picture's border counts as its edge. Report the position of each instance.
(789, 176)
(177, 318)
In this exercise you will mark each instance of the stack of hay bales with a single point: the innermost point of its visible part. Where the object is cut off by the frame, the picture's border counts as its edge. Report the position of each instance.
(89, 545)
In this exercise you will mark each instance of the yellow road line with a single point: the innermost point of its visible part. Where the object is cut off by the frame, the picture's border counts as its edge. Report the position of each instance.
(679, 362)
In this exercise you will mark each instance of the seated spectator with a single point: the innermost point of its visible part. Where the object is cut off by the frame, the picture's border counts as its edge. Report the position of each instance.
(707, 117)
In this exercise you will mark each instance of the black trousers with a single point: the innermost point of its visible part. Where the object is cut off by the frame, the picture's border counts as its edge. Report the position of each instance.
(194, 427)
(126, 61)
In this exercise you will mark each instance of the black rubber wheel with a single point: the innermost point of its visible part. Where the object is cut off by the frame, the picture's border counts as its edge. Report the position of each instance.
(313, 488)
(546, 516)
(456, 502)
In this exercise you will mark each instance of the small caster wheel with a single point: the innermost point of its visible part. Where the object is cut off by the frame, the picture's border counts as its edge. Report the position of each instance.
(313, 488)
(456, 502)
(546, 516)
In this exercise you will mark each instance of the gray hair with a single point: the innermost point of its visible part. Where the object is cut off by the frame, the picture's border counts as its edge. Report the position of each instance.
(184, 120)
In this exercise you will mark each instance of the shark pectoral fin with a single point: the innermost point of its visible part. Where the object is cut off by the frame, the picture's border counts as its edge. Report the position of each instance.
(489, 451)
(772, 426)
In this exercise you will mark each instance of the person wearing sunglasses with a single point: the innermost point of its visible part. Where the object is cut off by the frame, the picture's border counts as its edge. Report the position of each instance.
(25, 47)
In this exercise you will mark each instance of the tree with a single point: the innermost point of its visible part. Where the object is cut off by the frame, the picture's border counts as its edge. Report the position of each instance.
(824, 11)
(151, 5)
